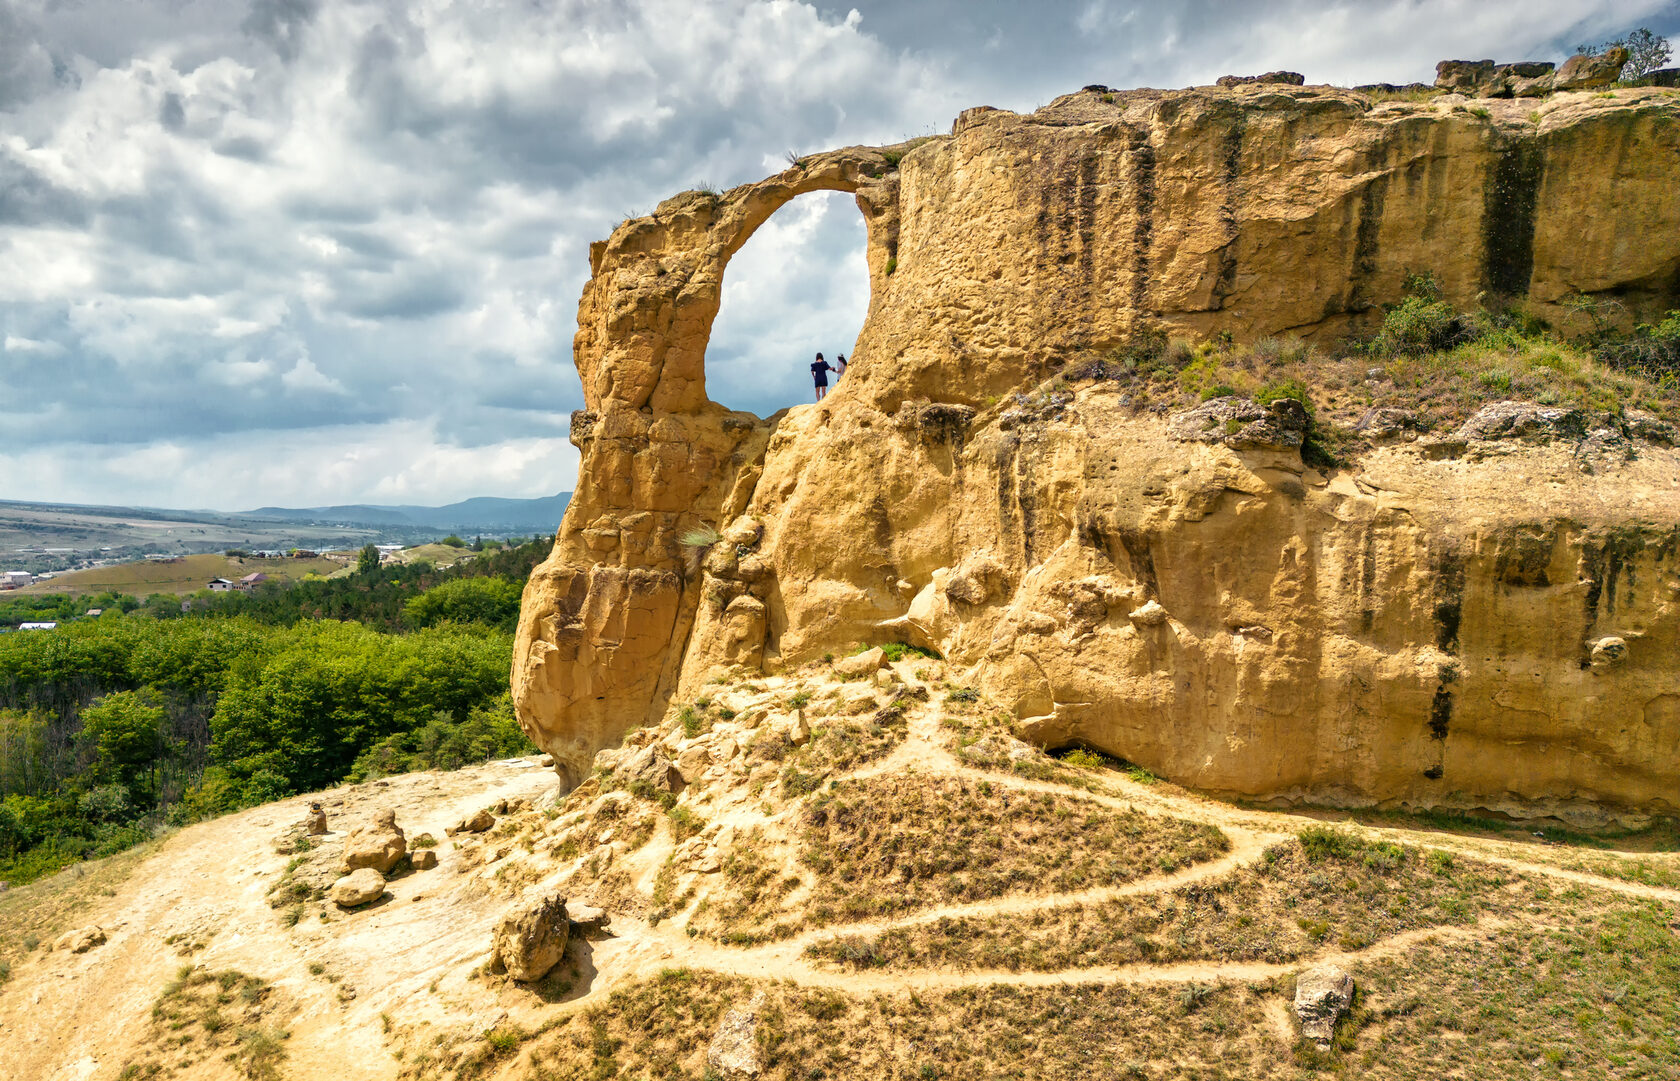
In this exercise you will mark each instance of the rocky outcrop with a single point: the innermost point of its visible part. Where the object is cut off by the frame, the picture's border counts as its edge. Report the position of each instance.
(80, 940)
(1181, 592)
(1531, 78)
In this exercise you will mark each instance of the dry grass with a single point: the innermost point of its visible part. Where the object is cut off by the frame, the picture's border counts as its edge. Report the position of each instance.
(660, 1028)
(1327, 890)
(891, 845)
(204, 1015)
(1592, 999)
(888, 846)
(837, 746)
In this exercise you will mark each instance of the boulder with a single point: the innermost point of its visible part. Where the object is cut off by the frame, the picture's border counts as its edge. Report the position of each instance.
(359, 887)
(1463, 75)
(1322, 995)
(530, 940)
(1384, 424)
(693, 762)
(863, 664)
(80, 940)
(975, 580)
(1280, 78)
(1150, 615)
(315, 823)
(1609, 651)
(733, 1053)
(1582, 72)
(587, 920)
(477, 822)
(379, 844)
(744, 532)
(1243, 424)
(649, 766)
(425, 859)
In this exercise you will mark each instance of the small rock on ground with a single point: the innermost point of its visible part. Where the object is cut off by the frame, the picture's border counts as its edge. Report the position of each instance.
(357, 888)
(733, 1054)
(1322, 995)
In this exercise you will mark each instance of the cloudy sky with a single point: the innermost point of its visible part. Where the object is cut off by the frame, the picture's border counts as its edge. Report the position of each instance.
(317, 251)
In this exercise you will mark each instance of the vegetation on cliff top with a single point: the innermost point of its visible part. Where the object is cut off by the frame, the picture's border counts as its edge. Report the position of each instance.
(1433, 362)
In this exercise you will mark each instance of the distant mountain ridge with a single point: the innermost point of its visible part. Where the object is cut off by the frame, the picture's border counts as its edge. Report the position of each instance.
(478, 514)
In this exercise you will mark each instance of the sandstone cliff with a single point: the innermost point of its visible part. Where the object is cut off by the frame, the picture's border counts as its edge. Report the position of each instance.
(1479, 623)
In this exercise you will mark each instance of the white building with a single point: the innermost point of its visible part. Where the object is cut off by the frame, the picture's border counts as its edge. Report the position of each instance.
(220, 585)
(16, 579)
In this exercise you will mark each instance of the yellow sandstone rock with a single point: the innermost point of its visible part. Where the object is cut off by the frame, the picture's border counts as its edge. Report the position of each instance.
(1465, 622)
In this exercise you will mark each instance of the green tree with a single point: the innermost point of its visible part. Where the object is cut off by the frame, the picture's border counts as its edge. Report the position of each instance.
(494, 601)
(123, 729)
(453, 541)
(367, 561)
(1647, 52)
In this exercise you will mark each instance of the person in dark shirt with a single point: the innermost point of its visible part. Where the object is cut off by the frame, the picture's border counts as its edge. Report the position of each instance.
(819, 374)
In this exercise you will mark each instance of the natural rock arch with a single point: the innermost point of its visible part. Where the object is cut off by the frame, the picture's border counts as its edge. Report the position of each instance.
(655, 286)
(600, 640)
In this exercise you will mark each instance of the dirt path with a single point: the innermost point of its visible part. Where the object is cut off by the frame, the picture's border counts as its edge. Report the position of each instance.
(339, 981)
(68, 1017)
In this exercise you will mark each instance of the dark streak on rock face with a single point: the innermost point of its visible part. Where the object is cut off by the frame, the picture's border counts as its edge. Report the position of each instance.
(1142, 560)
(1508, 201)
(1225, 283)
(1449, 600)
(1143, 229)
(1440, 713)
(1359, 297)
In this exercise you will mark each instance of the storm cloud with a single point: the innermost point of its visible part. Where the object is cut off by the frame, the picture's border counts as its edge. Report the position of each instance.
(318, 251)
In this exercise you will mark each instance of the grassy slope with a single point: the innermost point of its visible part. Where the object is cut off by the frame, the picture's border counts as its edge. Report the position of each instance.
(191, 574)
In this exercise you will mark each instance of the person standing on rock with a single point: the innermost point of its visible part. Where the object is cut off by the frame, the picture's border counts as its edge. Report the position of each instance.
(819, 374)
(839, 367)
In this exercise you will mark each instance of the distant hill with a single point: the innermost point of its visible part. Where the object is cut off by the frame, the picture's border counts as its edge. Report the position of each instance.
(481, 514)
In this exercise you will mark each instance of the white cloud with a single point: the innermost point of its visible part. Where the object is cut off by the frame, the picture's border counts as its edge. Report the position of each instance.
(305, 376)
(396, 462)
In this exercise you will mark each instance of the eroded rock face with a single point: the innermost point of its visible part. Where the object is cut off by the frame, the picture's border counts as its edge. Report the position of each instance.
(1418, 630)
